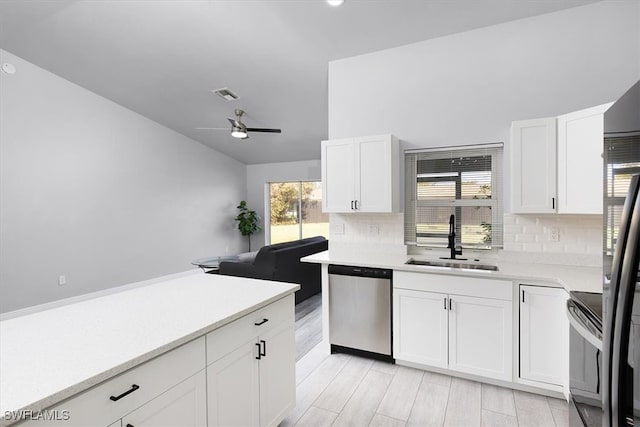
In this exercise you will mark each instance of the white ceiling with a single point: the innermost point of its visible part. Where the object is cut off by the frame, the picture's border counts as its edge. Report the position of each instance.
(162, 58)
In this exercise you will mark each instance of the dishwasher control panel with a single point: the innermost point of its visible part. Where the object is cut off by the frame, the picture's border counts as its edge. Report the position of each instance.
(349, 270)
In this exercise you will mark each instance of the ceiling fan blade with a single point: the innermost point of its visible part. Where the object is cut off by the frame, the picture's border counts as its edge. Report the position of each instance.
(264, 130)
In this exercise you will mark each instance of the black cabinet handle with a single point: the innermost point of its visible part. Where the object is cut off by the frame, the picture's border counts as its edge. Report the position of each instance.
(352, 205)
(264, 348)
(553, 202)
(522, 296)
(450, 303)
(259, 356)
(262, 322)
(356, 205)
(129, 425)
(445, 303)
(133, 388)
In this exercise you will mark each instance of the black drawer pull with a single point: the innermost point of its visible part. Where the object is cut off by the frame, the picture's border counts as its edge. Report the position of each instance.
(133, 388)
(263, 352)
(261, 322)
(129, 425)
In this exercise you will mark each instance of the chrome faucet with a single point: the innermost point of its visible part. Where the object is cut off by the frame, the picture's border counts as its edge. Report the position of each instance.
(452, 238)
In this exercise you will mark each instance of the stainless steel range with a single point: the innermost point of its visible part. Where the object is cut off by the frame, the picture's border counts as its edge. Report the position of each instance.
(585, 352)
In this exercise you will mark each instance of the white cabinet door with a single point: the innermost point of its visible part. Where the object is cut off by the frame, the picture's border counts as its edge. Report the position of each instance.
(277, 374)
(184, 405)
(337, 169)
(533, 166)
(233, 393)
(420, 327)
(480, 331)
(361, 174)
(374, 174)
(543, 334)
(580, 144)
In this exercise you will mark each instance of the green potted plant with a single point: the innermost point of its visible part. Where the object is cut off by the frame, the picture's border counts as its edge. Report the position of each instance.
(248, 221)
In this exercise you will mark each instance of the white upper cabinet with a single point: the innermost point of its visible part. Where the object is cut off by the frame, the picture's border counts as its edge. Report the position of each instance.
(338, 183)
(556, 163)
(361, 174)
(580, 143)
(533, 166)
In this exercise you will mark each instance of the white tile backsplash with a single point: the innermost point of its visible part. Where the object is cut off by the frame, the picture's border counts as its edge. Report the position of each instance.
(578, 234)
(368, 232)
(526, 237)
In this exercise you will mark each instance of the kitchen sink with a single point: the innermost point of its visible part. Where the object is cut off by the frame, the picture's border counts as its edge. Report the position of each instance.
(453, 264)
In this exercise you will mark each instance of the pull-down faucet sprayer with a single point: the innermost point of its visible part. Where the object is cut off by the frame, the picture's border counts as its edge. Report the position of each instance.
(452, 238)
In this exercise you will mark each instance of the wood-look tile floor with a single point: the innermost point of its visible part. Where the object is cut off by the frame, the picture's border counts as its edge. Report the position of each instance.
(308, 325)
(344, 390)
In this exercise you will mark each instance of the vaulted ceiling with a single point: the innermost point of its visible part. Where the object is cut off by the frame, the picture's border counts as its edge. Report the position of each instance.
(162, 58)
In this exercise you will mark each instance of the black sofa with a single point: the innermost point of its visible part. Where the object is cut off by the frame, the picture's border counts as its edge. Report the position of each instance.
(281, 262)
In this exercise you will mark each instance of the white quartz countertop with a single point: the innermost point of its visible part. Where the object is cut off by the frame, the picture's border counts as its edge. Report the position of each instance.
(48, 356)
(571, 278)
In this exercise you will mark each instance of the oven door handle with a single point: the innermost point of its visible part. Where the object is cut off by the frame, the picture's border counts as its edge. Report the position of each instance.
(580, 327)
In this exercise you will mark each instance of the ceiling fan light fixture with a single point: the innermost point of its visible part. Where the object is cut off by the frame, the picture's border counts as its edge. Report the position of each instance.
(239, 132)
(335, 3)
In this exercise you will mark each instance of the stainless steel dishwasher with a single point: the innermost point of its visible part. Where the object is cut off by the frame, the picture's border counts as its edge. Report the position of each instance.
(360, 311)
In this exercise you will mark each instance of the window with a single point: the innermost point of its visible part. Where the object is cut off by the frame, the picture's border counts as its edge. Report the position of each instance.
(296, 211)
(622, 160)
(462, 181)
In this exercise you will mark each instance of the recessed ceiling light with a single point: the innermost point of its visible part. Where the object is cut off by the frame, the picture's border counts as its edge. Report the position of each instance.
(335, 2)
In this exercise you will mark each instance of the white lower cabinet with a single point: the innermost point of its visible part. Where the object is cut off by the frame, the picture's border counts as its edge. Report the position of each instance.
(166, 385)
(462, 331)
(249, 380)
(278, 375)
(254, 384)
(480, 336)
(544, 335)
(181, 406)
(234, 388)
(420, 327)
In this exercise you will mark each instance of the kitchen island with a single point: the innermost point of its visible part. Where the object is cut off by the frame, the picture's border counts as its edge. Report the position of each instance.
(73, 350)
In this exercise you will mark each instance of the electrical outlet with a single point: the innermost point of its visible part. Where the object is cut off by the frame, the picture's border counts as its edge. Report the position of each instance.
(374, 229)
(554, 234)
(337, 228)
(62, 280)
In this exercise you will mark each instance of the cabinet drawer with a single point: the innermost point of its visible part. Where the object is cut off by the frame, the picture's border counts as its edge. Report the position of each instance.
(224, 340)
(94, 406)
(456, 285)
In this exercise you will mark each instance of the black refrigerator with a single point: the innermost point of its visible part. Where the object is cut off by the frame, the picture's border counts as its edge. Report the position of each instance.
(621, 262)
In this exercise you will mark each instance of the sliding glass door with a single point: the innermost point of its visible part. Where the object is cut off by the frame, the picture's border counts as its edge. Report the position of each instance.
(296, 211)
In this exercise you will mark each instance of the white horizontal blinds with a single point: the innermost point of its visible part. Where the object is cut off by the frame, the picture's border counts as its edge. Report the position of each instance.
(622, 160)
(462, 181)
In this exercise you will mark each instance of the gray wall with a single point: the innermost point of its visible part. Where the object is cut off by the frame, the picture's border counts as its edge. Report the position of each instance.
(258, 176)
(96, 192)
(467, 88)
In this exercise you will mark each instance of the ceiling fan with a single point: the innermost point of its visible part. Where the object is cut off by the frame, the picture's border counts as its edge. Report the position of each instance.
(239, 130)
